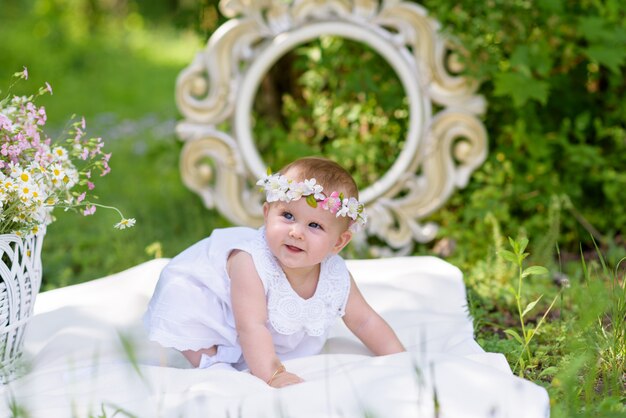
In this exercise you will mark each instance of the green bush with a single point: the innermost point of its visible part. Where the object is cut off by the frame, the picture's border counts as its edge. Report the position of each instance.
(553, 75)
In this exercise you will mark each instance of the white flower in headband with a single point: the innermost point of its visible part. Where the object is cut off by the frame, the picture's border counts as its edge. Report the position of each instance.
(349, 207)
(279, 188)
(276, 188)
(314, 189)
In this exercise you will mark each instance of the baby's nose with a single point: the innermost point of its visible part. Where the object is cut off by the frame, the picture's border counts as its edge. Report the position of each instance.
(295, 231)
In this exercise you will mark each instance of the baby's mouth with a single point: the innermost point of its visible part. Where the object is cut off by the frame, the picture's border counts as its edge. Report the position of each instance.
(293, 248)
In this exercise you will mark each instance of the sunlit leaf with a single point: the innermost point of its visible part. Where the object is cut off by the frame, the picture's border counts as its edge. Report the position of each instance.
(515, 335)
(534, 270)
(523, 243)
(514, 244)
(548, 371)
(508, 255)
(530, 306)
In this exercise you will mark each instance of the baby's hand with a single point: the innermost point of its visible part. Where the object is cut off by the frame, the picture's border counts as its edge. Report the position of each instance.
(285, 379)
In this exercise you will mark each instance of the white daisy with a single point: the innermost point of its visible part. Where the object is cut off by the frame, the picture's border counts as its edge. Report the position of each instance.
(125, 223)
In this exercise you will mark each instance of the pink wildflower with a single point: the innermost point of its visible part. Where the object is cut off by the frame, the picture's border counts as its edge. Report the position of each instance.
(97, 148)
(48, 87)
(89, 210)
(79, 134)
(22, 74)
(90, 185)
(31, 131)
(41, 116)
(81, 197)
(5, 123)
(105, 165)
(31, 110)
(332, 203)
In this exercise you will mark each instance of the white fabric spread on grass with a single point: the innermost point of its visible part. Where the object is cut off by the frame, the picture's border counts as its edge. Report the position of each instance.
(79, 366)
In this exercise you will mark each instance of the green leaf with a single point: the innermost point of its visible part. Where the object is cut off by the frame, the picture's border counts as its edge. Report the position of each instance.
(534, 270)
(608, 55)
(532, 57)
(522, 364)
(514, 244)
(514, 334)
(520, 59)
(530, 306)
(521, 88)
(593, 28)
(584, 265)
(582, 122)
(310, 199)
(523, 243)
(524, 255)
(509, 256)
(548, 371)
(599, 30)
(606, 42)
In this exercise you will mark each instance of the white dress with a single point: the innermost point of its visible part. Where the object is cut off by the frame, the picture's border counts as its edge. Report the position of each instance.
(191, 306)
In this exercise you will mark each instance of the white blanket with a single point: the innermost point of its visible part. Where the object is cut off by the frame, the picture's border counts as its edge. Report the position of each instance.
(89, 356)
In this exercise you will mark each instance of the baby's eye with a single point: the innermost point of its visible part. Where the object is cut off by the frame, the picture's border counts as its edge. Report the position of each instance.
(287, 216)
(315, 225)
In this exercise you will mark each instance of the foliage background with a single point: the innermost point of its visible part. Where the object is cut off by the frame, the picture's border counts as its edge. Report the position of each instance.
(552, 72)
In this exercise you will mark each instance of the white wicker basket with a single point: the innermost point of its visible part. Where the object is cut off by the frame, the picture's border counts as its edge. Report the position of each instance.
(20, 279)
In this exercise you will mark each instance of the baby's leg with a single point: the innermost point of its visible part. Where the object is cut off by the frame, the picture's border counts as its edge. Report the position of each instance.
(194, 357)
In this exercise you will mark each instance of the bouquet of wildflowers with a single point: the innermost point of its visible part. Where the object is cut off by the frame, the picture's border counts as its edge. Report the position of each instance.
(38, 174)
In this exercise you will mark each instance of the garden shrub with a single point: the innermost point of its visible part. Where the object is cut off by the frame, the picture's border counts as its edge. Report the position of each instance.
(553, 75)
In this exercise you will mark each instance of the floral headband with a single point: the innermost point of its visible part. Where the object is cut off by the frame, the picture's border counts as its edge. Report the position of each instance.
(278, 187)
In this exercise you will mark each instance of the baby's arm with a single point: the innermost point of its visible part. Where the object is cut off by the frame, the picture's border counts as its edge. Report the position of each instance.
(368, 325)
(250, 311)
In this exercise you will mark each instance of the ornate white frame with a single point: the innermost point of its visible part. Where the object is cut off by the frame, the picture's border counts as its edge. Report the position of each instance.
(440, 152)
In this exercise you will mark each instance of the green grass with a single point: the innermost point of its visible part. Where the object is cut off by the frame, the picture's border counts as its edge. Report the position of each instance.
(579, 352)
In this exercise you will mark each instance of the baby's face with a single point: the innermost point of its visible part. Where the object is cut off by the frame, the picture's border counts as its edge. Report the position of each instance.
(301, 236)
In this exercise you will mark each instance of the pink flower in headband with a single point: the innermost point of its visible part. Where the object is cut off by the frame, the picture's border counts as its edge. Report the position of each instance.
(332, 203)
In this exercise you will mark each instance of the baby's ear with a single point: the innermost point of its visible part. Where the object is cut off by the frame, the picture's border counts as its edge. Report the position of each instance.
(342, 241)
(266, 209)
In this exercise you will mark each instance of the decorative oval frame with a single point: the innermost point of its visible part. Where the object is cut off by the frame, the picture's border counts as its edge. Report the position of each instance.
(418, 108)
(440, 151)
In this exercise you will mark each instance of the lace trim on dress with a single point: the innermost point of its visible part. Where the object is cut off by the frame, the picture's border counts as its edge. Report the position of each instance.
(288, 312)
